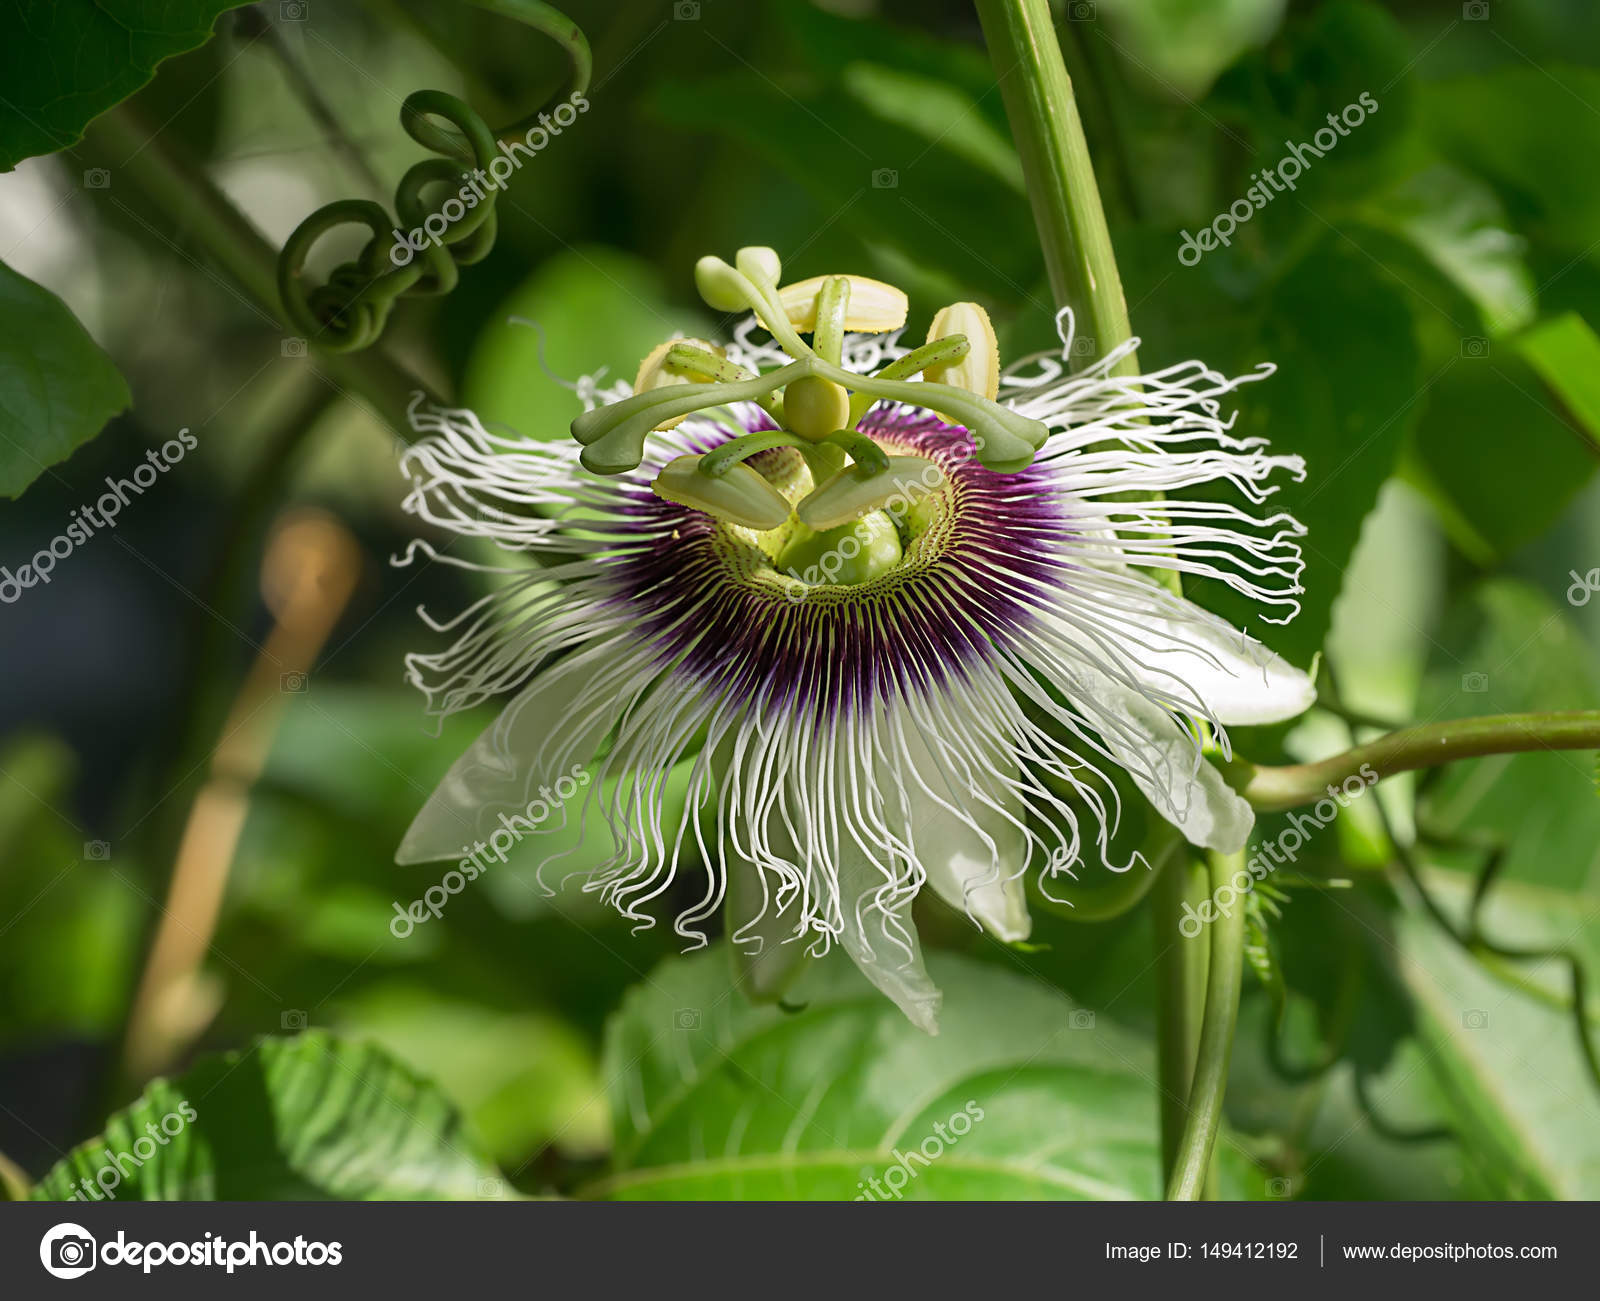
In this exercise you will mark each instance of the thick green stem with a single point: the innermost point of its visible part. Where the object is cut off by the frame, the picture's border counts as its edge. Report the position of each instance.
(1180, 983)
(1055, 164)
(208, 217)
(1287, 787)
(1225, 974)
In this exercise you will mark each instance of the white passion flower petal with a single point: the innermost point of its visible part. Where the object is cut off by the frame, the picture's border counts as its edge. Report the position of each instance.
(491, 786)
(968, 831)
(1165, 762)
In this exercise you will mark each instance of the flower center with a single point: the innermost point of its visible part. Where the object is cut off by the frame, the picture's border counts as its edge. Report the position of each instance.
(863, 548)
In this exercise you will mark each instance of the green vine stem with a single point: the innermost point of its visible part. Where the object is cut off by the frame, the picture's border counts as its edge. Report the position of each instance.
(1224, 980)
(1272, 789)
(1180, 982)
(1060, 177)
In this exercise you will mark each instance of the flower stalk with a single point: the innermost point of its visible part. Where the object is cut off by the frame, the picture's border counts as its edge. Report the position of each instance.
(1060, 177)
(1224, 978)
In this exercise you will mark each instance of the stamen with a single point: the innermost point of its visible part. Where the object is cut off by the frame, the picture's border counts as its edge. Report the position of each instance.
(738, 495)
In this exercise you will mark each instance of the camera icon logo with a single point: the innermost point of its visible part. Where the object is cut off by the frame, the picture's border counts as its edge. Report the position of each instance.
(96, 851)
(1475, 11)
(297, 682)
(1081, 1019)
(1280, 1187)
(293, 347)
(1475, 682)
(1083, 346)
(293, 1019)
(1080, 11)
(1474, 345)
(1475, 1018)
(686, 11)
(885, 178)
(97, 178)
(491, 1189)
(293, 11)
(67, 1251)
(686, 1018)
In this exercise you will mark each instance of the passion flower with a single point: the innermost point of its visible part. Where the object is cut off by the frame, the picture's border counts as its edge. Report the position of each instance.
(899, 653)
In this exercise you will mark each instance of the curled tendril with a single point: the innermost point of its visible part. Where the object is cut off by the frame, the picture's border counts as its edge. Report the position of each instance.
(349, 310)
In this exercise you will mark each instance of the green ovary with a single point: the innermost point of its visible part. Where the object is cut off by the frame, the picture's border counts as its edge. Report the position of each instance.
(853, 553)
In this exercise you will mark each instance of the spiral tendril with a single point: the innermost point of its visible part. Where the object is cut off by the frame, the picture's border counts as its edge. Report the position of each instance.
(349, 310)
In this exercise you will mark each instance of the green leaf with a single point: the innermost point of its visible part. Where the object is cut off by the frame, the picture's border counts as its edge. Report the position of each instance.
(57, 388)
(524, 1079)
(1566, 354)
(305, 1119)
(1511, 648)
(64, 62)
(1507, 1060)
(897, 138)
(1502, 124)
(1181, 45)
(1457, 223)
(1494, 454)
(1021, 1095)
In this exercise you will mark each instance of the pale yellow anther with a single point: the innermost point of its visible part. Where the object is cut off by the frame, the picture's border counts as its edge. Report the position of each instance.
(741, 496)
(653, 373)
(874, 306)
(979, 371)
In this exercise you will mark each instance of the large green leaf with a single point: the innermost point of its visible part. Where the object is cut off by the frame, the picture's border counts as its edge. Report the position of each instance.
(1181, 45)
(1502, 124)
(304, 1119)
(1506, 1058)
(1566, 354)
(57, 388)
(523, 1078)
(1021, 1095)
(899, 139)
(1494, 453)
(64, 62)
(1511, 648)
(1457, 223)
